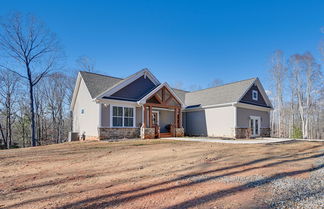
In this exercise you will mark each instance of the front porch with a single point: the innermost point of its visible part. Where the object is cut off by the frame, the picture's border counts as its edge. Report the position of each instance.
(162, 116)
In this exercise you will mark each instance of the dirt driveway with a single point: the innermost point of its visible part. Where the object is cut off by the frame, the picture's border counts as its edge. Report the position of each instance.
(162, 174)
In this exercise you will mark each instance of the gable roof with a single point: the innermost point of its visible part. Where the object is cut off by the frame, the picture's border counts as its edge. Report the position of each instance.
(97, 83)
(98, 86)
(123, 83)
(166, 85)
(227, 93)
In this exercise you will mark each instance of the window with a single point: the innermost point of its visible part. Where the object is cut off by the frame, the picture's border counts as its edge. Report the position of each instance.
(82, 111)
(117, 116)
(122, 116)
(128, 116)
(255, 95)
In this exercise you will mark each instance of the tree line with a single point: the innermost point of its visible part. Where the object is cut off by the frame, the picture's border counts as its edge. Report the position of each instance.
(297, 96)
(35, 92)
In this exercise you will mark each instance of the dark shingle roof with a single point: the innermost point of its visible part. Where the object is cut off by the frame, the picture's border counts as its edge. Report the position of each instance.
(227, 93)
(97, 83)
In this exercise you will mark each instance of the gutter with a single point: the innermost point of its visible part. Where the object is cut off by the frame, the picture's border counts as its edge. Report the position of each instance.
(210, 106)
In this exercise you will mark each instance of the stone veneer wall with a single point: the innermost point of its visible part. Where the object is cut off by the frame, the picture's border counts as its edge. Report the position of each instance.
(245, 133)
(147, 133)
(265, 132)
(179, 132)
(118, 133)
(242, 133)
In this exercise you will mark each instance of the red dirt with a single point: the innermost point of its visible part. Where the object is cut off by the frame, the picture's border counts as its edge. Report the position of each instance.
(147, 174)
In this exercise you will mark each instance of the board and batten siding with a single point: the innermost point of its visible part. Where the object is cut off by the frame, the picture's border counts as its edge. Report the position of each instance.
(88, 121)
(212, 122)
(243, 117)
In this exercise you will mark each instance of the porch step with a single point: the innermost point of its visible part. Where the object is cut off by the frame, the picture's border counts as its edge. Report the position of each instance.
(164, 135)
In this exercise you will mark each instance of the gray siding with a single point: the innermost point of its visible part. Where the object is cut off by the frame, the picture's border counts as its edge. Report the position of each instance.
(243, 117)
(196, 123)
(138, 118)
(184, 120)
(105, 119)
(247, 98)
(135, 90)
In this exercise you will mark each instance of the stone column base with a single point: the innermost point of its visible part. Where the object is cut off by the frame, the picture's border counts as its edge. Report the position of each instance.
(179, 132)
(147, 133)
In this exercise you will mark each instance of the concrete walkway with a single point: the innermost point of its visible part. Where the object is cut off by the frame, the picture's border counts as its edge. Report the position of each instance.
(236, 141)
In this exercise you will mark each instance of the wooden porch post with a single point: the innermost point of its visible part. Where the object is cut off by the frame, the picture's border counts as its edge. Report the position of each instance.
(150, 116)
(145, 116)
(180, 118)
(175, 117)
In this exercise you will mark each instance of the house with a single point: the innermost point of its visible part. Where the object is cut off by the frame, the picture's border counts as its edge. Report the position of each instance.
(139, 106)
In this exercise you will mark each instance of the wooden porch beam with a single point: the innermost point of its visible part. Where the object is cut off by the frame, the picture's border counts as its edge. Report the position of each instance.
(173, 96)
(158, 98)
(163, 94)
(162, 105)
(168, 100)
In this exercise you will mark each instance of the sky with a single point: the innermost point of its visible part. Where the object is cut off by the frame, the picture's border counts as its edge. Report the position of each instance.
(185, 43)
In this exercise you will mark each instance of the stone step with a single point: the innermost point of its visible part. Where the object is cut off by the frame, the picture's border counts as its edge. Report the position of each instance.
(163, 135)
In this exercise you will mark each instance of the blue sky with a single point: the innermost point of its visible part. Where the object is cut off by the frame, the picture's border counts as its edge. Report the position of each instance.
(186, 43)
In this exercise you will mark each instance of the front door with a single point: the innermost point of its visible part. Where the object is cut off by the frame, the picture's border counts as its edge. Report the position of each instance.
(255, 126)
(155, 118)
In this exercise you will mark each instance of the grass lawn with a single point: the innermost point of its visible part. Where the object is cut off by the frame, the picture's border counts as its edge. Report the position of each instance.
(154, 174)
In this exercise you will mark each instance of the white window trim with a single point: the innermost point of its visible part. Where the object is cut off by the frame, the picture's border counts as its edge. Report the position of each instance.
(123, 106)
(158, 116)
(255, 92)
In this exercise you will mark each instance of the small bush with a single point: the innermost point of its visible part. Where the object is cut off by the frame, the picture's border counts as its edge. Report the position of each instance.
(297, 133)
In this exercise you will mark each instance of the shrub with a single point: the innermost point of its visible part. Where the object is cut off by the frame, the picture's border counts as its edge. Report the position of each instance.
(297, 133)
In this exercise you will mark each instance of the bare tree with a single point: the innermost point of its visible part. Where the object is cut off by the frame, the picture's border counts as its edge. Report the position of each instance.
(306, 79)
(23, 119)
(278, 74)
(85, 63)
(3, 139)
(178, 85)
(9, 82)
(70, 83)
(31, 50)
(215, 82)
(194, 87)
(56, 93)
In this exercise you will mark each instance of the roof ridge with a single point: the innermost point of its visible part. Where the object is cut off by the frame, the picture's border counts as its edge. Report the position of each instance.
(180, 89)
(223, 85)
(100, 74)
